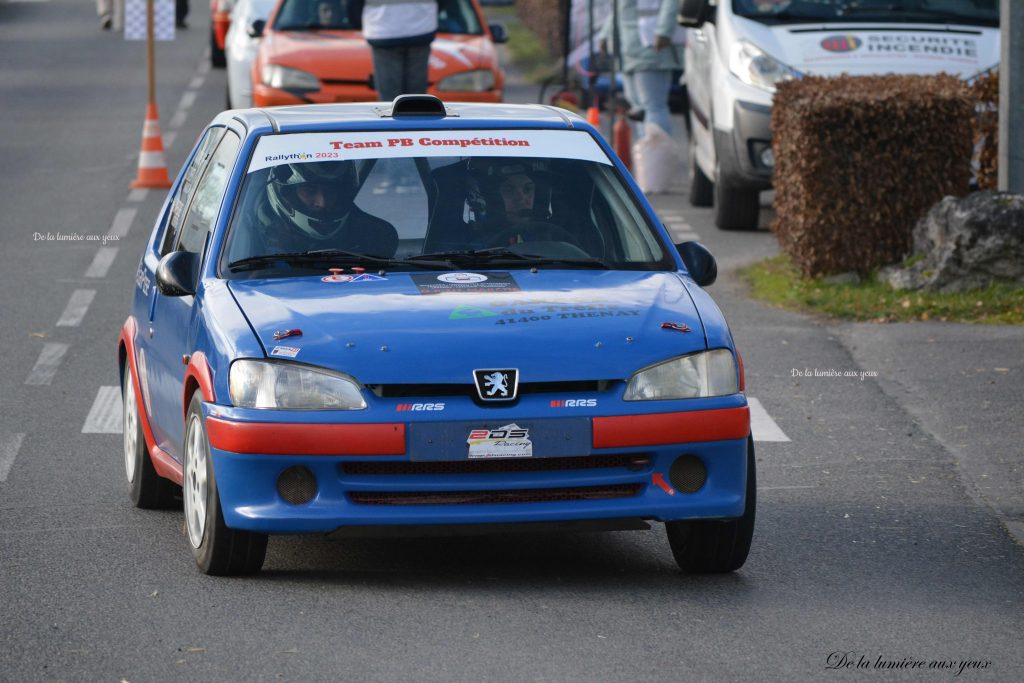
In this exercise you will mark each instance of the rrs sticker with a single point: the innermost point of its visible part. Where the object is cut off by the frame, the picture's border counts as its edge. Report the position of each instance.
(418, 407)
(574, 403)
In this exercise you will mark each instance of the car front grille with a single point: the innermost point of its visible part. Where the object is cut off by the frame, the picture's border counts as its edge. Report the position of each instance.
(633, 461)
(494, 497)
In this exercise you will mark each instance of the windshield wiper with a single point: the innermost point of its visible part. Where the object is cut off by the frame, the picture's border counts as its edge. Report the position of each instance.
(491, 255)
(332, 256)
(930, 14)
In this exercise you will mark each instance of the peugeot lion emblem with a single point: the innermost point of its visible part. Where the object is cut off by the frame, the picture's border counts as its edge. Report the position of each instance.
(497, 385)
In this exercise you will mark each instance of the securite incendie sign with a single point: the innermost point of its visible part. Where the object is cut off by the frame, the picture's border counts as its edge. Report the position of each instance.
(273, 150)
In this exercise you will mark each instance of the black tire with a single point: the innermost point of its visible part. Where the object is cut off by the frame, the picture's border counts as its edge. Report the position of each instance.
(146, 489)
(702, 190)
(218, 550)
(736, 208)
(217, 58)
(716, 546)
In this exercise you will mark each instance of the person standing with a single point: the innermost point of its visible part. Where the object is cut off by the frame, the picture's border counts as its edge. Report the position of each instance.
(400, 33)
(650, 48)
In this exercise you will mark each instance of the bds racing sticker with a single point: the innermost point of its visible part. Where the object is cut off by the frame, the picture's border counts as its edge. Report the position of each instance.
(429, 283)
(510, 441)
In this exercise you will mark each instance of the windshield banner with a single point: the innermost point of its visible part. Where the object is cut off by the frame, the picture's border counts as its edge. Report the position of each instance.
(273, 150)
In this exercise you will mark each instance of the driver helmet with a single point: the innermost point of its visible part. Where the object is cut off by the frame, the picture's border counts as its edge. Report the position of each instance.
(336, 179)
(486, 174)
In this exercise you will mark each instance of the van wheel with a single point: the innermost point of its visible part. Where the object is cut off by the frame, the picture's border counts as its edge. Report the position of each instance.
(702, 190)
(715, 546)
(736, 208)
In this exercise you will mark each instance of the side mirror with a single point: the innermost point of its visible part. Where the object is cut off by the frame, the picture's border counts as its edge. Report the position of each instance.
(255, 29)
(498, 33)
(177, 274)
(699, 261)
(693, 13)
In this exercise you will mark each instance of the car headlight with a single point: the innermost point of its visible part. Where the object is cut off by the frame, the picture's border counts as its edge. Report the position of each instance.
(468, 81)
(753, 66)
(277, 76)
(290, 386)
(699, 375)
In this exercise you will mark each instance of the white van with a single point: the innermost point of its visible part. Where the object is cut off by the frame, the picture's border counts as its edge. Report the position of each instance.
(738, 50)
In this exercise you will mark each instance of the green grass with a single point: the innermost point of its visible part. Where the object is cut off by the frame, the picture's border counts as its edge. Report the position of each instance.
(778, 283)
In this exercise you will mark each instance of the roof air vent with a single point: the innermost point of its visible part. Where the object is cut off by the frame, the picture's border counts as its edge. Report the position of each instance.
(417, 105)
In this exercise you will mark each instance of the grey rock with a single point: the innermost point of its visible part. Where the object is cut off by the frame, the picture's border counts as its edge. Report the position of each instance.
(964, 244)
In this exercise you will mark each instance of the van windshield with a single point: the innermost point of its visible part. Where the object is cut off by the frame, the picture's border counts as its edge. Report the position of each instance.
(977, 12)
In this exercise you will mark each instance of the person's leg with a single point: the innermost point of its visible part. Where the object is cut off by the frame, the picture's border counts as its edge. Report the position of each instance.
(387, 72)
(105, 11)
(652, 88)
(416, 68)
(629, 90)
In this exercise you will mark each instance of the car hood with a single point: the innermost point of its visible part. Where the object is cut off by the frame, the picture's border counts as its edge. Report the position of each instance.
(552, 325)
(345, 55)
(876, 48)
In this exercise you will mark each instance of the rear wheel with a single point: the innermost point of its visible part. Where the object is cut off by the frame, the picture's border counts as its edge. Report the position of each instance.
(146, 488)
(714, 546)
(217, 549)
(702, 190)
(217, 59)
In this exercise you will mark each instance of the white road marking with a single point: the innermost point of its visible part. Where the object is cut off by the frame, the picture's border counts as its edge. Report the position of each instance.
(46, 366)
(122, 222)
(169, 139)
(78, 306)
(197, 82)
(187, 99)
(105, 415)
(178, 120)
(101, 262)
(138, 194)
(686, 236)
(762, 426)
(9, 447)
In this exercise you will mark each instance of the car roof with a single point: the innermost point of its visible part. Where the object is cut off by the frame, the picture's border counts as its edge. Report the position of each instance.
(326, 117)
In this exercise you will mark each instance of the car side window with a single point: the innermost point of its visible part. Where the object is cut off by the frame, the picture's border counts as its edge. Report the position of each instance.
(188, 184)
(208, 195)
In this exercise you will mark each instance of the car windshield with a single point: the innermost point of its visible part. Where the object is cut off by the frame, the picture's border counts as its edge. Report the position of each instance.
(979, 12)
(453, 16)
(438, 199)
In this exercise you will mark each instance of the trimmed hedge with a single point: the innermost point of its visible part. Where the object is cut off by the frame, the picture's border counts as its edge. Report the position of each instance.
(859, 159)
(547, 19)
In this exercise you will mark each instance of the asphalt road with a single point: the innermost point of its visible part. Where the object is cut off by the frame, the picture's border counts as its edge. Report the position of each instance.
(877, 532)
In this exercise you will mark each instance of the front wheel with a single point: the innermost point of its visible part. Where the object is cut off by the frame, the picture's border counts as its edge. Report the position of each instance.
(217, 549)
(706, 546)
(736, 208)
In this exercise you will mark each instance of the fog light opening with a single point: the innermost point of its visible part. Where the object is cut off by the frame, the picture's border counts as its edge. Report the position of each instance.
(688, 474)
(296, 485)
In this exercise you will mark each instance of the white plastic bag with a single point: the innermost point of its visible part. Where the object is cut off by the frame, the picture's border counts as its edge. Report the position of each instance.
(656, 160)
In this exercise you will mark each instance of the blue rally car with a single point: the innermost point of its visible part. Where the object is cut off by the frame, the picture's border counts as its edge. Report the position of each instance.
(400, 317)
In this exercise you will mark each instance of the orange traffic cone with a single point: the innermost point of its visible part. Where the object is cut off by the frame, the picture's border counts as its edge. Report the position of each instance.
(594, 115)
(152, 165)
(622, 140)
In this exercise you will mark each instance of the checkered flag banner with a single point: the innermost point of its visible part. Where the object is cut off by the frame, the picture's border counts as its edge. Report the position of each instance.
(135, 19)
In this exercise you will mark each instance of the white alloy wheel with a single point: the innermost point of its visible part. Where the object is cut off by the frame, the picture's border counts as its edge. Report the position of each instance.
(195, 487)
(130, 425)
